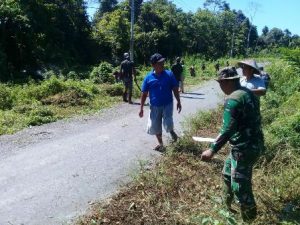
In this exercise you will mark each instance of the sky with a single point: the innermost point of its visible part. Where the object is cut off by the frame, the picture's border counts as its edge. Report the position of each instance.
(282, 14)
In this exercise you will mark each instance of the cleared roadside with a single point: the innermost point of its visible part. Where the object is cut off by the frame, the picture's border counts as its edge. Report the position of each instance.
(50, 174)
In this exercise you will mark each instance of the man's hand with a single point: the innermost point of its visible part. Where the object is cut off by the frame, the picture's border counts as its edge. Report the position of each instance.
(178, 107)
(207, 155)
(141, 113)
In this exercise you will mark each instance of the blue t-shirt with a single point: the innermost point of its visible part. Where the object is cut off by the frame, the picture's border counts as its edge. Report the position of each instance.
(160, 87)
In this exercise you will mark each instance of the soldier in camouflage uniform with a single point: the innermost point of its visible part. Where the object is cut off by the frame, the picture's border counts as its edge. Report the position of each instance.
(242, 128)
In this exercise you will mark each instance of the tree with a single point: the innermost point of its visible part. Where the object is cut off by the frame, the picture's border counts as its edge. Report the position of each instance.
(105, 6)
(265, 30)
(253, 6)
(216, 5)
(35, 34)
(112, 31)
(275, 37)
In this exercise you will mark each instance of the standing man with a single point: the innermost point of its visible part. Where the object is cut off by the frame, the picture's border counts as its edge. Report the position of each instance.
(127, 72)
(177, 70)
(217, 66)
(192, 71)
(203, 66)
(242, 128)
(160, 84)
(250, 80)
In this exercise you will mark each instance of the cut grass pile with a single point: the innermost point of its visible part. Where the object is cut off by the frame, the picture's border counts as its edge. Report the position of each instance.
(36, 103)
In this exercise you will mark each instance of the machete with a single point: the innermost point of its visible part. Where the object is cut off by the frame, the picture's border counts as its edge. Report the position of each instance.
(136, 83)
(203, 139)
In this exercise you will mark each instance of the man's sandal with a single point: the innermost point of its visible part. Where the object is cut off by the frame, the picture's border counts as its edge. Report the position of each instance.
(159, 148)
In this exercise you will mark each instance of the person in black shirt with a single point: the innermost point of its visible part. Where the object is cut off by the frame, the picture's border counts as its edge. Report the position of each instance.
(127, 75)
(177, 70)
(217, 66)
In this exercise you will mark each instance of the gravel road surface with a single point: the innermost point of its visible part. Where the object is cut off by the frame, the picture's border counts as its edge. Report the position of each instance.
(50, 174)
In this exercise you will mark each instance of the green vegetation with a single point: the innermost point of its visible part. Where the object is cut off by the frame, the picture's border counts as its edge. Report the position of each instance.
(49, 69)
(181, 189)
(38, 36)
(59, 96)
(37, 103)
(41, 40)
(62, 96)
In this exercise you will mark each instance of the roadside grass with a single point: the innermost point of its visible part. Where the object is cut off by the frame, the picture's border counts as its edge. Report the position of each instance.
(181, 189)
(62, 96)
(36, 103)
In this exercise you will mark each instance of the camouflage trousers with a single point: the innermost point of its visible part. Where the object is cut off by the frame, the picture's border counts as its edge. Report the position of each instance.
(237, 174)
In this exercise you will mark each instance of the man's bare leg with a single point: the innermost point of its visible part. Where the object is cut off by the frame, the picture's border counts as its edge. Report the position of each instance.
(159, 147)
(159, 139)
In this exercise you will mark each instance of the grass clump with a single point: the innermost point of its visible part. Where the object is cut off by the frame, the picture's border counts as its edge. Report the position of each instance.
(36, 103)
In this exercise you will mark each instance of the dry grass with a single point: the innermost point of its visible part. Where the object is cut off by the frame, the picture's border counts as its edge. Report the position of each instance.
(181, 189)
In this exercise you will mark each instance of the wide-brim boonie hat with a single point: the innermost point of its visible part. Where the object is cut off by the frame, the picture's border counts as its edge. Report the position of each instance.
(156, 58)
(228, 73)
(250, 62)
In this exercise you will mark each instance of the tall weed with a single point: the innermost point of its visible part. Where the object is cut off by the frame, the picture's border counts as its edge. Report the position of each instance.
(6, 99)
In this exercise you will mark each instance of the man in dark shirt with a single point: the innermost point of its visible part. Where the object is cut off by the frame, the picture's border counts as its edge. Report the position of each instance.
(127, 75)
(217, 66)
(177, 70)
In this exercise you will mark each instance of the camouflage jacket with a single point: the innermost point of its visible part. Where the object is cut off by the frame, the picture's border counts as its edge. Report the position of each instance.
(241, 122)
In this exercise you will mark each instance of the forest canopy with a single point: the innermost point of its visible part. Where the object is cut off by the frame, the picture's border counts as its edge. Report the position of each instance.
(38, 35)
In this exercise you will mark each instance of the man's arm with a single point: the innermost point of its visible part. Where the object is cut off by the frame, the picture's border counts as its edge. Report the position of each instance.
(229, 127)
(121, 71)
(143, 99)
(176, 94)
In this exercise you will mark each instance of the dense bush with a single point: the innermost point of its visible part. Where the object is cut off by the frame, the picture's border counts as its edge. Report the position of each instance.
(73, 75)
(292, 56)
(103, 73)
(114, 90)
(281, 108)
(40, 115)
(6, 100)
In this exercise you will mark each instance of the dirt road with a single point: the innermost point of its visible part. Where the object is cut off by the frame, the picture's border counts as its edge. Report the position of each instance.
(49, 174)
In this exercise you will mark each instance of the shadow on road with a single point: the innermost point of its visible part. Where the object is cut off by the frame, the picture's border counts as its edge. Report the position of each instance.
(137, 103)
(191, 97)
(192, 93)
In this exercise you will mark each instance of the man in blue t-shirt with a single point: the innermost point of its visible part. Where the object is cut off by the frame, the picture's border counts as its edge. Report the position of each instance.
(160, 84)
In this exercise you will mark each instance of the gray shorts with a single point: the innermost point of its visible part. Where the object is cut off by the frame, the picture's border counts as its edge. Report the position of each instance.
(160, 115)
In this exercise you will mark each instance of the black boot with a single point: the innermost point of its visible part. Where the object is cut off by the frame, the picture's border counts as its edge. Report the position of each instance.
(228, 195)
(129, 99)
(248, 213)
(125, 97)
(174, 135)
